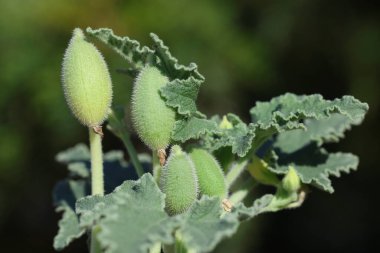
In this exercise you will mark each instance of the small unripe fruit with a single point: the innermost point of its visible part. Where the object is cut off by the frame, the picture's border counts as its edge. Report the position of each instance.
(152, 118)
(258, 169)
(291, 182)
(210, 176)
(86, 81)
(179, 182)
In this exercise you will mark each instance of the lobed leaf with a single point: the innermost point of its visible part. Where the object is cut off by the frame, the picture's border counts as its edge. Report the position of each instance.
(170, 65)
(181, 95)
(321, 131)
(290, 108)
(136, 209)
(314, 165)
(204, 226)
(192, 128)
(68, 228)
(139, 56)
(131, 50)
(239, 137)
(259, 206)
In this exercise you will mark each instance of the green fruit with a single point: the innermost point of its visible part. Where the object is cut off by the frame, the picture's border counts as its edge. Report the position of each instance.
(291, 182)
(86, 81)
(152, 118)
(179, 182)
(210, 176)
(258, 169)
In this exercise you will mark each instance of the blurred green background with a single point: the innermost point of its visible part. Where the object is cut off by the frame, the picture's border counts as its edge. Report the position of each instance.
(247, 50)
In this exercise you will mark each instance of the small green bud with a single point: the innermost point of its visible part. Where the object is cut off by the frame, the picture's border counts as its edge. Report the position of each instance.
(178, 181)
(210, 175)
(258, 169)
(225, 123)
(152, 118)
(291, 182)
(86, 81)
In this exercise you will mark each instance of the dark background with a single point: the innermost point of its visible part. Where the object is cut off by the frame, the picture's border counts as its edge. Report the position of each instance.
(247, 50)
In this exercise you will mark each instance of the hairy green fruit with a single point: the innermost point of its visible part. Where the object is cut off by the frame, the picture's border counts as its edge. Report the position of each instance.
(210, 176)
(291, 182)
(179, 182)
(152, 118)
(86, 81)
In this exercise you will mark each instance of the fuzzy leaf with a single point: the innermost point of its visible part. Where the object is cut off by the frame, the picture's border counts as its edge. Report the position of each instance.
(192, 128)
(181, 95)
(69, 229)
(139, 214)
(288, 111)
(290, 108)
(203, 226)
(239, 137)
(169, 64)
(314, 165)
(139, 56)
(129, 49)
(258, 206)
(78, 153)
(324, 130)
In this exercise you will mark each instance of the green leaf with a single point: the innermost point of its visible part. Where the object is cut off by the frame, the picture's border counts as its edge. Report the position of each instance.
(239, 137)
(204, 226)
(129, 49)
(192, 128)
(69, 229)
(259, 206)
(169, 64)
(290, 109)
(314, 165)
(139, 56)
(139, 214)
(321, 131)
(181, 95)
(78, 153)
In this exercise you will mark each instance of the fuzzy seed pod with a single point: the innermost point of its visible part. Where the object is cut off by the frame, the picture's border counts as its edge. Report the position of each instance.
(210, 176)
(291, 182)
(86, 81)
(179, 182)
(152, 118)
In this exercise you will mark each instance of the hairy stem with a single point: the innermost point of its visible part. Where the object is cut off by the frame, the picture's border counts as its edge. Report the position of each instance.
(97, 180)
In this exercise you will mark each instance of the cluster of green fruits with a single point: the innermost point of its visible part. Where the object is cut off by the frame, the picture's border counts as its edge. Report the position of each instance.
(183, 177)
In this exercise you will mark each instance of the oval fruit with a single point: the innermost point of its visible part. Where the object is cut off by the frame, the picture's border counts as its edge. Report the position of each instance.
(210, 176)
(178, 181)
(291, 182)
(86, 81)
(152, 118)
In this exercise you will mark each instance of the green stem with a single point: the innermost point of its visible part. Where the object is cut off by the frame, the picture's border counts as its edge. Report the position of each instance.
(97, 180)
(95, 246)
(132, 153)
(118, 127)
(156, 167)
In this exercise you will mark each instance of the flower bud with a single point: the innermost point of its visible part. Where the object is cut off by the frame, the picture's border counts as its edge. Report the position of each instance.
(291, 182)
